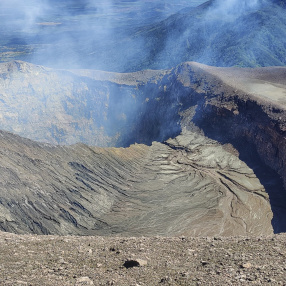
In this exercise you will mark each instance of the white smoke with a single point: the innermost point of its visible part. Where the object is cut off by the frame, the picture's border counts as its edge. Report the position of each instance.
(233, 8)
(24, 14)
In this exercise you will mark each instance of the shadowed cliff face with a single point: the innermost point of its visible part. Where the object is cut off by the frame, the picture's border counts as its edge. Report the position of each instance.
(214, 176)
(97, 108)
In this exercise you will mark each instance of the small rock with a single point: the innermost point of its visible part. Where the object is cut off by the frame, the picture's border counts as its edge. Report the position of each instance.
(142, 262)
(166, 279)
(230, 269)
(83, 281)
(185, 274)
(135, 263)
(18, 283)
(246, 265)
(61, 261)
(204, 263)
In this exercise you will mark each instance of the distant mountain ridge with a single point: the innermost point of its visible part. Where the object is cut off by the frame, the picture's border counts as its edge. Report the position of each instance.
(206, 34)
(256, 38)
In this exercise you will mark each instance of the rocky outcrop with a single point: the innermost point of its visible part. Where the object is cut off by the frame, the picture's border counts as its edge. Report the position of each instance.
(246, 108)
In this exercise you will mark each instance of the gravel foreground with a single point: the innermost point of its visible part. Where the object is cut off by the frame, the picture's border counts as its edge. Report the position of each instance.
(56, 260)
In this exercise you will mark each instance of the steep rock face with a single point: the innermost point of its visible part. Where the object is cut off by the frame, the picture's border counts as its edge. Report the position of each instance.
(97, 108)
(249, 113)
(246, 108)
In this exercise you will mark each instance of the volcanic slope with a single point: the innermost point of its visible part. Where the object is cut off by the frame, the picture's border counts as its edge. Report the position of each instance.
(216, 34)
(190, 185)
(214, 176)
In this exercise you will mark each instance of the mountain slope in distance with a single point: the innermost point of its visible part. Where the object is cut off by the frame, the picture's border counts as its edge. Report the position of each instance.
(210, 35)
(217, 33)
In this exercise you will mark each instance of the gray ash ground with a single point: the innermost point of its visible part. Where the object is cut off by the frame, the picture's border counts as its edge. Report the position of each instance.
(71, 260)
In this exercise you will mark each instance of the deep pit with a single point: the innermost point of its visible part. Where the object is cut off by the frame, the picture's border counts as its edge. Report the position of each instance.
(204, 168)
